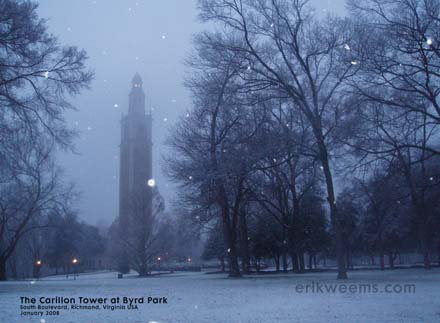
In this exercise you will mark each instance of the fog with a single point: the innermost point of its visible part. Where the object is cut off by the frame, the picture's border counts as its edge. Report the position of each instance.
(122, 38)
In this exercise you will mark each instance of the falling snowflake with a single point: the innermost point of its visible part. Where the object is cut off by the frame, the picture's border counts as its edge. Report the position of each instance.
(187, 115)
(274, 160)
(354, 63)
(321, 167)
(249, 238)
(151, 182)
(347, 47)
(136, 58)
(190, 177)
(174, 100)
(271, 24)
(285, 242)
(116, 105)
(69, 29)
(104, 52)
(163, 36)
(429, 41)
(46, 74)
(165, 119)
(32, 282)
(431, 179)
(196, 307)
(89, 128)
(42, 321)
(229, 249)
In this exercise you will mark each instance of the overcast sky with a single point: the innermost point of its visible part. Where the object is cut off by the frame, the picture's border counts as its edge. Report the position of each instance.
(151, 37)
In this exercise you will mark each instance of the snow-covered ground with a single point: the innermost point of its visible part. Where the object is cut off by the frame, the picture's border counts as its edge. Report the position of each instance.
(200, 297)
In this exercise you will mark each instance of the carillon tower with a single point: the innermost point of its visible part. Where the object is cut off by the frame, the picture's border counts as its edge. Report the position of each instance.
(136, 167)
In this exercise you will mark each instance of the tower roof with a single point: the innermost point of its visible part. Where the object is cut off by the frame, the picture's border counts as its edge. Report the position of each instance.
(137, 80)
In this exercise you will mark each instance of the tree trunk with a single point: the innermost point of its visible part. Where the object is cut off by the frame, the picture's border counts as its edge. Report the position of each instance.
(2, 269)
(244, 243)
(438, 253)
(295, 264)
(331, 198)
(234, 268)
(382, 261)
(421, 212)
(277, 263)
(310, 261)
(230, 235)
(391, 260)
(285, 259)
(425, 250)
(13, 266)
(222, 264)
(302, 266)
(230, 238)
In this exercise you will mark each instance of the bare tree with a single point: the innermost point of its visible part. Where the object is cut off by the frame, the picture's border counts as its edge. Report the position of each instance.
(397, 46)
(283, 177)
(37, 77)
(30, 190)
(396, 142)
(138, 235)
(298, 57)
(213, 141)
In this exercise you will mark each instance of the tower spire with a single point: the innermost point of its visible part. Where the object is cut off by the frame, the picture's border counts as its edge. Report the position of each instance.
(136, 105)
(136, 81)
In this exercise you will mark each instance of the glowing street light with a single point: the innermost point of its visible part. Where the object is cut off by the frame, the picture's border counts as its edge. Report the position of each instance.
(38, 264)
(158, 260)
(75, 263)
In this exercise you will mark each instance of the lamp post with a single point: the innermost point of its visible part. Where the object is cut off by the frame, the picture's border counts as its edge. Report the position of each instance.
(38, 265)
(74, 263)
(158, 260)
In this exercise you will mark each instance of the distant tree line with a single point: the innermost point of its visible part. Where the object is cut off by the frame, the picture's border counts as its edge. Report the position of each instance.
(312, 135)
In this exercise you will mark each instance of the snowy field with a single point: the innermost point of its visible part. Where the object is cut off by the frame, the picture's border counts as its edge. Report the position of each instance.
(200, 297)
